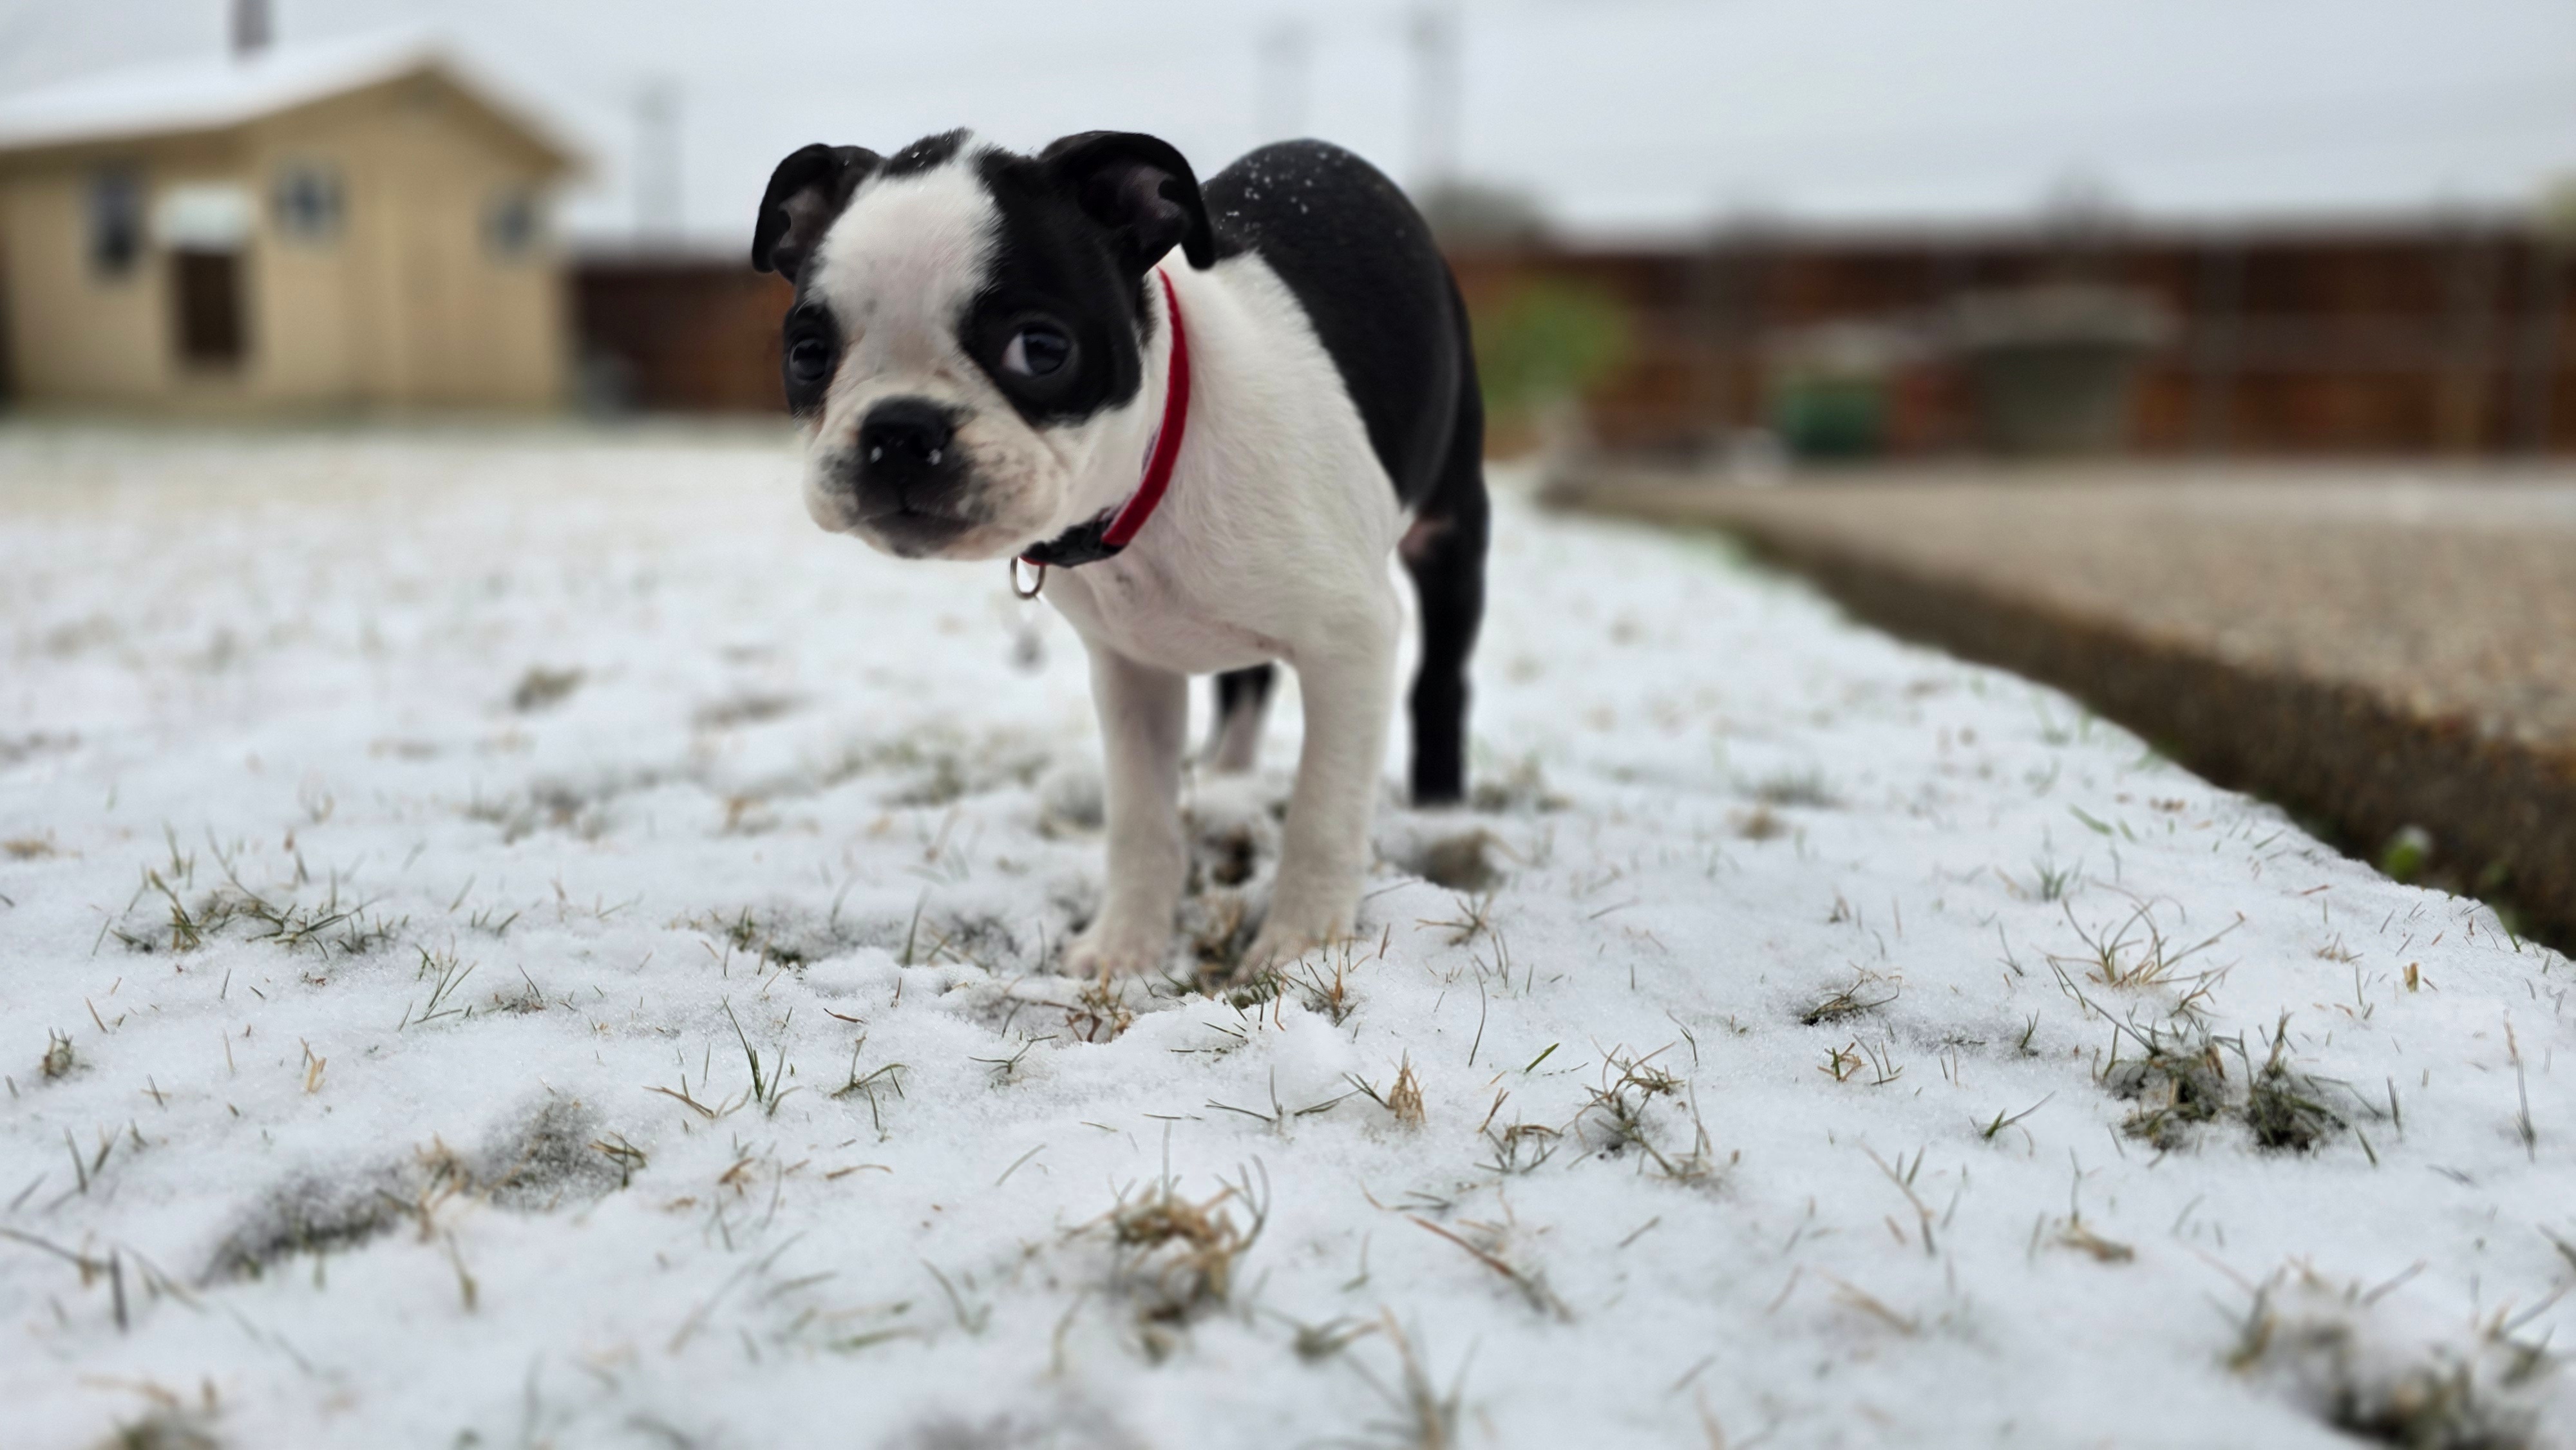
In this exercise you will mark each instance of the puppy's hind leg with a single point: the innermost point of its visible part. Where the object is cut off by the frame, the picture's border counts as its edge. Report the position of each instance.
(1144, 714)
(1444, 551)
(1242, 704)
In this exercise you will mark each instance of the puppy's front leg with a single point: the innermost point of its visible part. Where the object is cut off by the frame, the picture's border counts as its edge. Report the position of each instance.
(1348, 689)
(1143, 714)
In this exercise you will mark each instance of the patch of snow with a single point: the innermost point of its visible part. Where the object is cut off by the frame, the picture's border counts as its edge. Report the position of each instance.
(523, 939)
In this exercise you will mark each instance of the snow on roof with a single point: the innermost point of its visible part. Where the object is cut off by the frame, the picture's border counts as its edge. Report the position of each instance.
(221, 91)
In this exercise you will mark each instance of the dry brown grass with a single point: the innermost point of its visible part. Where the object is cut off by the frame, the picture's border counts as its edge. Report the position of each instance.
(2312, 1338)
(1620, 1112)
(1759, 824)
(1861, 996)
(1425, 1418)
(541, 687)
(1175, 1257)
(1402, 1101)
(59, 1060)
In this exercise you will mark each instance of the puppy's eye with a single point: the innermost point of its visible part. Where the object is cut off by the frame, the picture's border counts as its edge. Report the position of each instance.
(809, 361)
(1036, 352)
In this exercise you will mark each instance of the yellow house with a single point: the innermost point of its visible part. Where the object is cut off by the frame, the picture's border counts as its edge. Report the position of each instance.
(299, 230)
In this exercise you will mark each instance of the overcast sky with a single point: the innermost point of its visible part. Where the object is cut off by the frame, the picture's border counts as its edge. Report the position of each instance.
(1622, 116)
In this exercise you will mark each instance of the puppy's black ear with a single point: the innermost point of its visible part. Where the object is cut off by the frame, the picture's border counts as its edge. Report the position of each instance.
(1141, 190)
(806, 194)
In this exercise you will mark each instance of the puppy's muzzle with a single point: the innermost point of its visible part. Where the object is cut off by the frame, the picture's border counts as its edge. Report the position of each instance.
(909, 475)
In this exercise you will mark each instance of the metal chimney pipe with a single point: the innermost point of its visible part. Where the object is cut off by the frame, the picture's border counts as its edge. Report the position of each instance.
(251, 28)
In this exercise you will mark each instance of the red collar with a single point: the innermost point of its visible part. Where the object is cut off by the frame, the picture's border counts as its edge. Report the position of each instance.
(1110, 532)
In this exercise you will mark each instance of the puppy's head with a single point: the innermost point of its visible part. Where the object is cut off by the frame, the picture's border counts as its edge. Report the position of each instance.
(968, 340)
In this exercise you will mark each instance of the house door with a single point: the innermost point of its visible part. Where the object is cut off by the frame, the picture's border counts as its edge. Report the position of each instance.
(207, 287)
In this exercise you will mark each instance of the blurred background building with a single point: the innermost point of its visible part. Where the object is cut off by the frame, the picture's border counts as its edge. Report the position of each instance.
(1838, 230)
(280, 230)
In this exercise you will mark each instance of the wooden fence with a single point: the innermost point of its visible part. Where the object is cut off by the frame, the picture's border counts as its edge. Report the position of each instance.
(680, 334)
(2407, 338)
(2430, 340)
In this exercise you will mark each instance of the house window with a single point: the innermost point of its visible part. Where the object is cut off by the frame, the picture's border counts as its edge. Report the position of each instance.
(309, 202)
(512, 224)
(115, 222)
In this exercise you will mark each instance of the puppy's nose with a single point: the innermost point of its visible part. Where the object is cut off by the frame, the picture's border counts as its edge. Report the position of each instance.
(905, 437)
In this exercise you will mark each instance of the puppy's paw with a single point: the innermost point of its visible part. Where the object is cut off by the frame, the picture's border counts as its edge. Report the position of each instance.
(1111, 947)
(1292, 931)
(1275, 946)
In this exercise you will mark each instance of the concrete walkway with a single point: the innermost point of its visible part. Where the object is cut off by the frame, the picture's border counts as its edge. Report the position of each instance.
(2374, 647)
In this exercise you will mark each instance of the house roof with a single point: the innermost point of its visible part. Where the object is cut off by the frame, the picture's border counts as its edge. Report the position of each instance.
(220, 92)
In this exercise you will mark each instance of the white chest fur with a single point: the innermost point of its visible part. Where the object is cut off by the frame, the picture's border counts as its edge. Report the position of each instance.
(1279, 519)
(1141, 609)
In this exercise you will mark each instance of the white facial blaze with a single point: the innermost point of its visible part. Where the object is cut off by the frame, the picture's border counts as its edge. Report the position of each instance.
(899, 271)
(901, 265)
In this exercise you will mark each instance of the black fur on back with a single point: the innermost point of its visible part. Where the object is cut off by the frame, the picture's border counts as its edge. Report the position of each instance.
(1362, 263)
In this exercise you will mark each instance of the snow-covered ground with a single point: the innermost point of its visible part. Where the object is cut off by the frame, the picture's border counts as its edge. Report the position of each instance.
(412, 842)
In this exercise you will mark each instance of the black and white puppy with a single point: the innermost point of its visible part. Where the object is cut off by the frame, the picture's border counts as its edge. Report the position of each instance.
(1215, 411)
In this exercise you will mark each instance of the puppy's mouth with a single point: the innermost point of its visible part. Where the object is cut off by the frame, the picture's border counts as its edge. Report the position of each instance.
(914, 531)
(939, 519)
